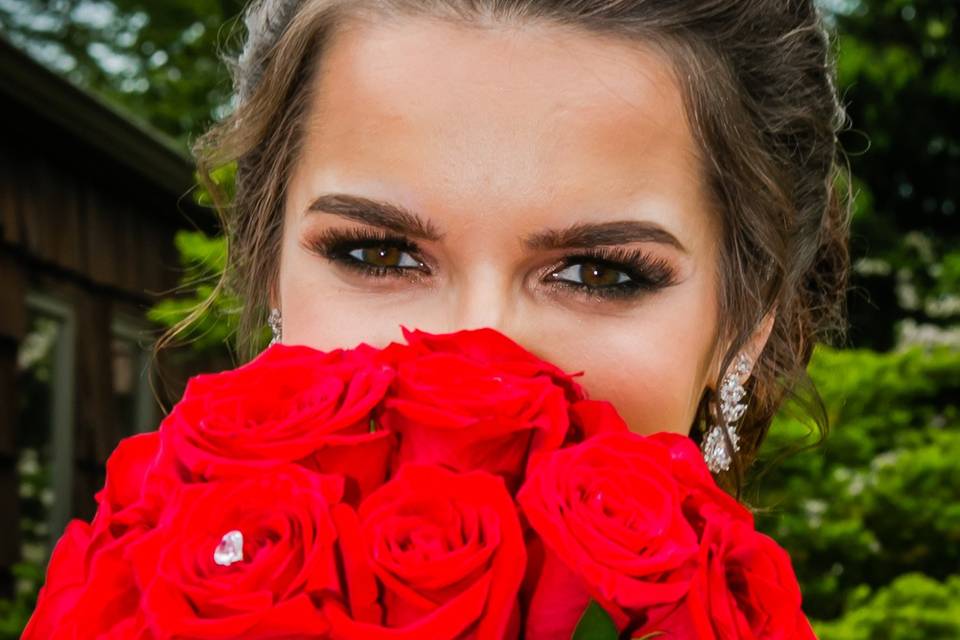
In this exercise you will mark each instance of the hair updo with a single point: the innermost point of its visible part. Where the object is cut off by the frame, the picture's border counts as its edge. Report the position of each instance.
(758, 83)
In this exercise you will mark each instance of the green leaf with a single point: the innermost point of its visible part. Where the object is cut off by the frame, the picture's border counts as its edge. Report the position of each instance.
(595, 624)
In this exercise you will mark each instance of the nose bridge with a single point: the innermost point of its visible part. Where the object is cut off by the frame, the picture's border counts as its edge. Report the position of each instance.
(484, 298)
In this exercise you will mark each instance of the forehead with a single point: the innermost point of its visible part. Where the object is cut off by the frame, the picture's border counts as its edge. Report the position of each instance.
(499, 119)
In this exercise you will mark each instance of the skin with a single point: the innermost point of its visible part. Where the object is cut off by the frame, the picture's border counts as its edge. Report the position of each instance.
(490, 135)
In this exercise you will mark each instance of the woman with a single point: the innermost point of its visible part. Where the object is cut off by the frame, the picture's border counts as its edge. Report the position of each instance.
(645, 191)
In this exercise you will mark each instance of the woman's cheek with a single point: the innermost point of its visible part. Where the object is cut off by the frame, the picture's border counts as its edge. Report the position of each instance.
(647, 401)
(663, 365)
(321, 311)
(654, 375)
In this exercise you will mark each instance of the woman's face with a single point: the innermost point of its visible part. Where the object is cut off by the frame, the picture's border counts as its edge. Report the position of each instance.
(541, 182)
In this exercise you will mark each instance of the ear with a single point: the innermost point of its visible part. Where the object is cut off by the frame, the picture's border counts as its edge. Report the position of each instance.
(274, 299)
(754, 346)
(758, 340)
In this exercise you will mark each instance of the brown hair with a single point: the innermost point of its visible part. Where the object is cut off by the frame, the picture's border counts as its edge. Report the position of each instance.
(758, 81)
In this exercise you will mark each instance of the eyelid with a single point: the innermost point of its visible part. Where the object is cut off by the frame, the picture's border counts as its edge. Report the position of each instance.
(328, 240)
(335, 244)
(638, 264)
(646, 272)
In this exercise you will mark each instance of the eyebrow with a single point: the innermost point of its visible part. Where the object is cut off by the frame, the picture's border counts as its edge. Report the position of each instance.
(580, 235)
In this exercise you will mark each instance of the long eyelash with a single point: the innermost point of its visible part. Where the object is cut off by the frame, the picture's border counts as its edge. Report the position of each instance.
(336, 244)
(647, 273)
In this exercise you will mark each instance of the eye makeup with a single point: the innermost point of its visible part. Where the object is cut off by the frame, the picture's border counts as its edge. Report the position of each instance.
(375, 253)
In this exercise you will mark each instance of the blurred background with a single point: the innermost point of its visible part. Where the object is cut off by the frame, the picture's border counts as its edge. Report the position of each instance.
(105, 241)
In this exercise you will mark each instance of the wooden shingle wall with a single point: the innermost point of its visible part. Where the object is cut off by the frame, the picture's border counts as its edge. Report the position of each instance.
(81, 226)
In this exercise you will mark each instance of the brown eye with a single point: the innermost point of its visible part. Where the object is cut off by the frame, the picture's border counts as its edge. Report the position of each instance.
(593, 274)
(384, 256)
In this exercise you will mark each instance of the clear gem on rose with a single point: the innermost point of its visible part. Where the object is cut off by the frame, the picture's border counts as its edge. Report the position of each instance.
(230, 549)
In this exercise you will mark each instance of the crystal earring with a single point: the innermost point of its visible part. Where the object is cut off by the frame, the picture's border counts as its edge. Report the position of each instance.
(274, 321)
(715, 452)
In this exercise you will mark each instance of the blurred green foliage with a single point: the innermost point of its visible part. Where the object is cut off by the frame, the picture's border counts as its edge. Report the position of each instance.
(15, 612)
(202, 258)
(155, 60)
(912, 607)
(28, 574)
(881, 497)
(899, 76)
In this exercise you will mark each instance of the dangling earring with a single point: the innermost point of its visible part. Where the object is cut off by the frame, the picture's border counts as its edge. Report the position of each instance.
(274, 321)
(715, 452)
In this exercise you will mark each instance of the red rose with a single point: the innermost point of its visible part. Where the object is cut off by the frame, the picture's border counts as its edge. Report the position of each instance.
(444, 552)
(589, 418)
(609, 514)
(89, 592)
(251, 558)
(90, 589)
(699, 488)
(66, 576)
(290, 404)
(136, 488)
(744, 589)
(261, 509)
(484, 346)
(126, 470)
(475, 400)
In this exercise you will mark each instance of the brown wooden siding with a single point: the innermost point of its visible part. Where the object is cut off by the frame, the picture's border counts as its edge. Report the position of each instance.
(78, 224)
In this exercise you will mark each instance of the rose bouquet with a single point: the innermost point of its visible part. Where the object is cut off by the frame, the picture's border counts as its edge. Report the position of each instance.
(455, 486)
